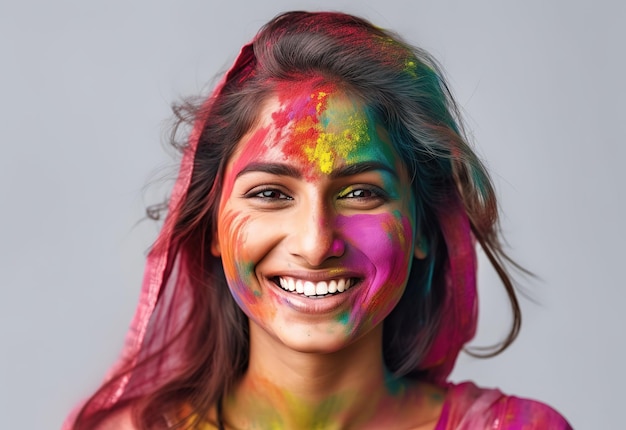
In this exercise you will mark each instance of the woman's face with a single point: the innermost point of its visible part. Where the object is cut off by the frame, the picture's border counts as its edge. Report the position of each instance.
(316, 225)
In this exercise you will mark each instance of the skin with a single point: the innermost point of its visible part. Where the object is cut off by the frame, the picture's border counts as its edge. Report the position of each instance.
(315, 192)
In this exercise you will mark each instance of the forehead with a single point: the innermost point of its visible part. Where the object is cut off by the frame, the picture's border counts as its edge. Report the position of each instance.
(317, 127)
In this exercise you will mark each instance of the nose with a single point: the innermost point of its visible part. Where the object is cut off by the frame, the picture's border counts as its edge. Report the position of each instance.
(314, 236)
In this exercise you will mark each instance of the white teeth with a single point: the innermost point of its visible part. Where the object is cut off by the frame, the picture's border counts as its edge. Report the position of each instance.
(341, 285)
(332, 286)
(309, 288)
(321, 288)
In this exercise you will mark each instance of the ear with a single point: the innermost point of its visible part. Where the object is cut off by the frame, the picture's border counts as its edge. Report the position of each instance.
(421, 248)
(215, 245)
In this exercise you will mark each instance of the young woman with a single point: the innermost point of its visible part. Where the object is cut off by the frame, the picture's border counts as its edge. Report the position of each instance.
(317, 267)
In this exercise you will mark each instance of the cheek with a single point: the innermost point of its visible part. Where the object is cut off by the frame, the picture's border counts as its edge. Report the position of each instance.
(238, 265)
(384, 245)
(239, 262)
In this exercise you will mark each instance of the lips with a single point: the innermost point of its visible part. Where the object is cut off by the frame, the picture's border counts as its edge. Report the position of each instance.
(314, 289)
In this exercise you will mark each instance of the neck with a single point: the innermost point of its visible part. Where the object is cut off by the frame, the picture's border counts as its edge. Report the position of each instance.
(283, 388)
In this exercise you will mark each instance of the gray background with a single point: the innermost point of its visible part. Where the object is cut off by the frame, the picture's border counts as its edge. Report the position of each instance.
(84, 99)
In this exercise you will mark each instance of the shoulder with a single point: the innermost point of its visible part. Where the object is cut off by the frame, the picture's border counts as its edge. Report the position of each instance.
(471, 407)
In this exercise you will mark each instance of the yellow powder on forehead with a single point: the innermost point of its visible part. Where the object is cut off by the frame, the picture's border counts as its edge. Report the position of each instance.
(324, 135)
(321, 95)
(330, 147)
(335, 141)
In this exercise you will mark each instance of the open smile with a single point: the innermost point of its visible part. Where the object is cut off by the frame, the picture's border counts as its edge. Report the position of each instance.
(314, 289)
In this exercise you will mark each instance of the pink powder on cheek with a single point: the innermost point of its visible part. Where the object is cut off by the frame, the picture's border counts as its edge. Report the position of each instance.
(384, 244)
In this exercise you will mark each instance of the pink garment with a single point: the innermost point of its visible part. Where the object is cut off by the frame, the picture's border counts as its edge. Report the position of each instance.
(468, 407)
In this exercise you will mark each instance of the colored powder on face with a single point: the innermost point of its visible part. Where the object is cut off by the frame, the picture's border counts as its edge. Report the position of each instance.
(331, 147)
(321, 97)
(321, 135)
(239, 266)
(343, 318)
(233, 238)
(245, 270)
(241, 281)
(383, 242)
(255, 144)
(395, 229)
(320, 129)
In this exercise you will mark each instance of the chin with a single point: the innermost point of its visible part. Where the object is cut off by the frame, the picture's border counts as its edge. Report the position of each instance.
(318, 338)
(327, 344)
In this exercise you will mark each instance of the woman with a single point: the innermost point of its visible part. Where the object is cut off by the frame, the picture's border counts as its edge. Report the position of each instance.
(317, 266)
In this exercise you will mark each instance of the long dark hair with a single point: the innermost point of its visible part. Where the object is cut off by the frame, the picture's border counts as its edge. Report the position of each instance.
(405, 88)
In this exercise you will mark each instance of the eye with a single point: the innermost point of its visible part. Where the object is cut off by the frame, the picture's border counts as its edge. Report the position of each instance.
(364, 192)
(267, 194)
(359, 194)
(272, 194)
(362, 197)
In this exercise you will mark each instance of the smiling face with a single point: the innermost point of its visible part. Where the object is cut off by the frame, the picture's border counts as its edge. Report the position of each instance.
(316, 223)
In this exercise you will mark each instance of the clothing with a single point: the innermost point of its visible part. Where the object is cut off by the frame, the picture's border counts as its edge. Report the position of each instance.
(468, 407)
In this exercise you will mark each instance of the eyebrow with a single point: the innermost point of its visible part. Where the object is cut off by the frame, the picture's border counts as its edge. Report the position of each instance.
(362, 167)
(281, 169)
(278, 169)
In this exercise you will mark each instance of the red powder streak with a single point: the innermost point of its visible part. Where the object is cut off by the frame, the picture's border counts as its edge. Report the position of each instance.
(301, 103)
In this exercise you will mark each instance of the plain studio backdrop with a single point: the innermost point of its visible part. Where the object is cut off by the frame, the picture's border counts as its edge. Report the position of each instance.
(84, 99)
